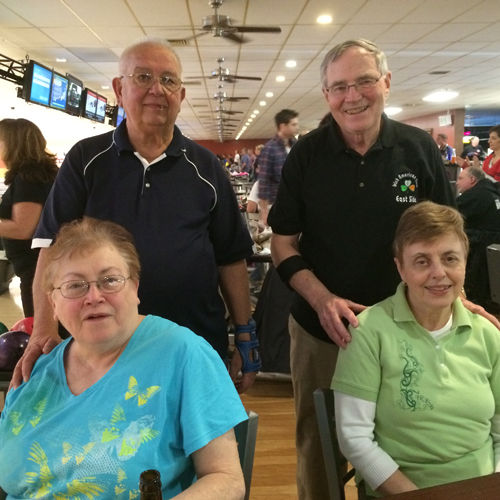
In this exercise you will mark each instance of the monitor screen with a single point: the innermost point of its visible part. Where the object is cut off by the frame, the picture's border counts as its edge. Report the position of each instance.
(101, 108)
(120, 115)
(90, 103)
(75, 90)
(37, 84)
(59, 92)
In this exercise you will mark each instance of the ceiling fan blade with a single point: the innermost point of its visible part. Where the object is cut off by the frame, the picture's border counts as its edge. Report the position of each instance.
(235, 38)
(191, 83)
(256, 78)
(256, 29)
(196, 77)
(184, 41)
(235, 99)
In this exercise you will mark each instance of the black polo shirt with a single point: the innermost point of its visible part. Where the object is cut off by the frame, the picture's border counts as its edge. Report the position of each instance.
(346, 208)
(181, 211)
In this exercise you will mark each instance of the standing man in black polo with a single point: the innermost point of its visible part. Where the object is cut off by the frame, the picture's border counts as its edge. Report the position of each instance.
(342, 191)
(175, 199)
(272, 157)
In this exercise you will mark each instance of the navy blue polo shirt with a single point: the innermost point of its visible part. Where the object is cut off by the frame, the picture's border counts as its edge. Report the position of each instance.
(346, 208)
(181, 211)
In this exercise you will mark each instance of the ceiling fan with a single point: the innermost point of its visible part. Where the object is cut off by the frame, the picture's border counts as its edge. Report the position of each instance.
(220, 26)
(224, 75)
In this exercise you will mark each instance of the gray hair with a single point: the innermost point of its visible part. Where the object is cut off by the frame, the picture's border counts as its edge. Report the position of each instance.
(151, 41)
(339, 49)
(475, 172)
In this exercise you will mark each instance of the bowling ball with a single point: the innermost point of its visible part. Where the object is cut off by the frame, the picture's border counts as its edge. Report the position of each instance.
(23, 325)
(12, 347)
(3, 328)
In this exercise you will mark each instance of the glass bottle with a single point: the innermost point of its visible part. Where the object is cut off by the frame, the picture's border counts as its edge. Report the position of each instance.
(150, 485)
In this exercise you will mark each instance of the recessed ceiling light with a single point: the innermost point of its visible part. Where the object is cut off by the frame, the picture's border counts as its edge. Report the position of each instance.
(440, 96)
(262, 103)
(256, 111)
(291, 64)
(269, 94)
(253, 116)
(250, 119)
(392, 111)
(105, 87)
(247, 123)
(61, 60)
(324, 19)
(280, 78)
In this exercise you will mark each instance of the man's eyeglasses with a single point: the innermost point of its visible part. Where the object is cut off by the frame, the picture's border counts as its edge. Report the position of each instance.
(146, 81)
(361, 85)
(78, 288)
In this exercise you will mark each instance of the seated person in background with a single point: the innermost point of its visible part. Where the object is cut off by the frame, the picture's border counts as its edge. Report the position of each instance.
(124, 394)
(473, 150)
(479, 203)
(417, 391)
(445, 150)
(491, 164)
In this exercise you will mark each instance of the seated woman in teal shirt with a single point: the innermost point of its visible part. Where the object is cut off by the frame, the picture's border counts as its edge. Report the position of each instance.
(124, 394)
(417, 391)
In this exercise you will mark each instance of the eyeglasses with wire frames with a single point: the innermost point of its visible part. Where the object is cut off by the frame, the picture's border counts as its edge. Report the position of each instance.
(78, 288)
(361, 85)
(147, 80)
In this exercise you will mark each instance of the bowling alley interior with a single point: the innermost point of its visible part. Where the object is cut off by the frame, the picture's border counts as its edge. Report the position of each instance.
(243, 61)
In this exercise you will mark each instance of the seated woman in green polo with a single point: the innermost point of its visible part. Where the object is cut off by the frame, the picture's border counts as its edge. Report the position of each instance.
(417, 391)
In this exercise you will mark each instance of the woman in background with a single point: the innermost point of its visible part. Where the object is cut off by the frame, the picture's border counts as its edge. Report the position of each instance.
(491, 165)
(31, 171)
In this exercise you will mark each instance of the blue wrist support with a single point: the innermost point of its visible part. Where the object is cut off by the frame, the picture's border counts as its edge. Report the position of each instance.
(247, 346)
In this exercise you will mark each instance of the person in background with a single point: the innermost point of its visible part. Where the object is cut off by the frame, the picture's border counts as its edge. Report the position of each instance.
(445, 150)
(491, 164)
(417, 392)
(255, 164)
(273, 156)
(473, 151)
(246, 164)
(343, 189)
(31, 171)
(479, 203)
(174, 198)
(124, 394)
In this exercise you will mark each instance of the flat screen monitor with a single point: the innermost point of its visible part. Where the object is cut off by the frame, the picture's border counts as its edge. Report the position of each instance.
(59, 92)
(120, 115)
(89, 104)
(75, 90)
(37, 83)
(101, 108)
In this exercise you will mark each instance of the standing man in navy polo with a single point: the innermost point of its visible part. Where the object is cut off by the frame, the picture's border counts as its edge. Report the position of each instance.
(343, 189)
(273, 156)
(175, 199)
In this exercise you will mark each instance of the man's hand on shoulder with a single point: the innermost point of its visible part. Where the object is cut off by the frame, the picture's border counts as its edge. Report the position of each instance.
(38, 344)
(331, 309)
(474, 308)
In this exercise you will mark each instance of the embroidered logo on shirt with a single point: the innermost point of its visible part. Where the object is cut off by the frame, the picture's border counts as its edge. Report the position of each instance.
(411, 399)
(405, 187)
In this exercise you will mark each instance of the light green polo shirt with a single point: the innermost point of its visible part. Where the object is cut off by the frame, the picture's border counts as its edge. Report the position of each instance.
(435, 399)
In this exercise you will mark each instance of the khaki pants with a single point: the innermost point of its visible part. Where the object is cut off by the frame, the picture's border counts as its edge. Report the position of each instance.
(312, 363)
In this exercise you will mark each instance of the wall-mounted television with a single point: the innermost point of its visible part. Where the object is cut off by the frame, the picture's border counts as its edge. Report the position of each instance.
(75, 90)
(59, 91)
(89, 104)
(101, 108)
(118, 116)
(37, 83)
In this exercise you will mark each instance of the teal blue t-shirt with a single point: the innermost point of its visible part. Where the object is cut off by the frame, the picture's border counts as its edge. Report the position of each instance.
(167, 395)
